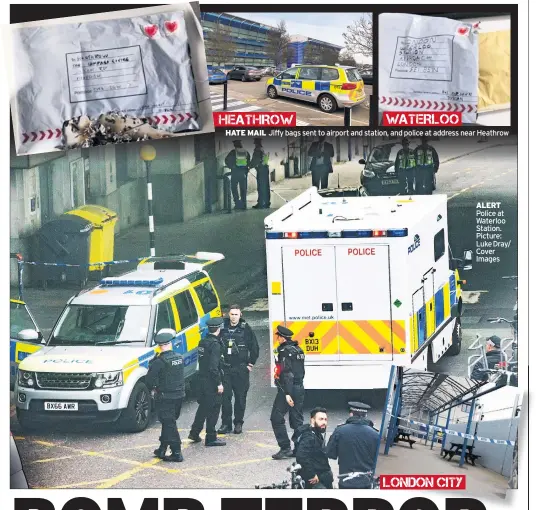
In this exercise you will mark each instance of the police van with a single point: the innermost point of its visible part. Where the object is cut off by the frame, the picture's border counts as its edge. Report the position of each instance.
(24, 336)
(364, 283)
(94, 363)
(331, 87)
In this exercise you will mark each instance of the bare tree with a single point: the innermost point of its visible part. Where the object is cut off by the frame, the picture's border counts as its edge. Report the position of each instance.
(220, 45)
(329, 56)
(358, 37)
(346, 59)
(278, 48)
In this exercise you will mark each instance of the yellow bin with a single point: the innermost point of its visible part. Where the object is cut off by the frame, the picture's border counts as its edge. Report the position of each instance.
(101, 242)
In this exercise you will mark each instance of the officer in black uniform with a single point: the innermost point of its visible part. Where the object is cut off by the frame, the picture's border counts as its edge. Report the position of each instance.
(289, 375)
(210, 385)
(355, 444)
(240, 352)
(166, 377)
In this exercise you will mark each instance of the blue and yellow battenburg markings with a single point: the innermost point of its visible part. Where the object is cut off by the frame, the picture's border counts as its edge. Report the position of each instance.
(442, 303)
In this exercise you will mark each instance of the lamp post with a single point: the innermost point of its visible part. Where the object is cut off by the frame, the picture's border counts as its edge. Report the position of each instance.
(147, 154)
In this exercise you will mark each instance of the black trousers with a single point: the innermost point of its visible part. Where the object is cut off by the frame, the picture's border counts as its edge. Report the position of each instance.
(239, 182)
(295, 418)
(325, 482)
(320, 177)
(236, 382)
(356, 483)
(209, 401)
(407, 179)
(263, 185)
(168, 412)
(427, 180)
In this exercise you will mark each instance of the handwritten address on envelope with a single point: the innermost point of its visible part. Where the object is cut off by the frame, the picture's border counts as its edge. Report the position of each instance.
(423, 58)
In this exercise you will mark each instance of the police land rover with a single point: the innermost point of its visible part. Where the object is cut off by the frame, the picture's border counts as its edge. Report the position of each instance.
(94, 363)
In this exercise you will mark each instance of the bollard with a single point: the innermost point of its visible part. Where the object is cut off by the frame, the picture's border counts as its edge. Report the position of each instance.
(225, 95)
(347, 116)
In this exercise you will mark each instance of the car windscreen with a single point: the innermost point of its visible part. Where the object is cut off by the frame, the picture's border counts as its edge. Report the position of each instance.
(19, 319)
(353, 75)
(102, 325)
(382, 158)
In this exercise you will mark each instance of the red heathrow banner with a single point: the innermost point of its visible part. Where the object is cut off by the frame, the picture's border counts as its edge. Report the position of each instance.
(254, 119)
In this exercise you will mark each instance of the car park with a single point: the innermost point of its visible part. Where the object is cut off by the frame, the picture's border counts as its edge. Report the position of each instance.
(94, 363)
(244, 73)
(330, 87)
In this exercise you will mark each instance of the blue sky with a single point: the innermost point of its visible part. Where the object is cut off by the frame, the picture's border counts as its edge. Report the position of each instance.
(325, 26)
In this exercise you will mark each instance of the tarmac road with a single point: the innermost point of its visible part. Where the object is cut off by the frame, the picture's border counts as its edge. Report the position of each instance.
(253, 94)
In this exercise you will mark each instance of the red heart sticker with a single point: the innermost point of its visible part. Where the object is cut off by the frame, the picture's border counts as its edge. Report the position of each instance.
(151, 30)
(463, 30)
(171, 26)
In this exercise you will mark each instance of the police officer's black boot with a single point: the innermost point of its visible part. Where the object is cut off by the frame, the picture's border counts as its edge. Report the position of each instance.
(160, 452)
(176, 455)
(214, 441)
(194, 437)
(284, 453)
(238, 428)
(225, 429)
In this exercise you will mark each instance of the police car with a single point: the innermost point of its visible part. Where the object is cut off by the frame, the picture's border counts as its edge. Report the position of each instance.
(24, 336)
(94, 363)
(331, 87)
(379, 177)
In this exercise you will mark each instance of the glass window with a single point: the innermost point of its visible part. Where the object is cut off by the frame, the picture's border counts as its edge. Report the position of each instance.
(439, 245)
(352, 75)
(164, 316)
(186, 308)
(289, 74)
(207, 296)
(310, 73)
(104, 324)
(329, 74)
(19, 319)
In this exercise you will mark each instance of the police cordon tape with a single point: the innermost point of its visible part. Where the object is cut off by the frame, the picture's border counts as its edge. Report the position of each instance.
(62, 264)
(456, 433)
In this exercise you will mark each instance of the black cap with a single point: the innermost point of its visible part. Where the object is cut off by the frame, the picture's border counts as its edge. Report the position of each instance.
(215, 322)
(237, 141)
(165, 336)
(358, 407)
(284, 332)
(495, 340)
(257, 140)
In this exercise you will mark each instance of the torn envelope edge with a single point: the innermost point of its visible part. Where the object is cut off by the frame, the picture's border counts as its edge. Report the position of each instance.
(198, 60)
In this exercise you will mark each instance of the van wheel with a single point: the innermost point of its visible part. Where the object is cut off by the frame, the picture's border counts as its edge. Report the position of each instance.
(136, 417)
(272, 92)
(327, 103)
(25, 421)
(456, 346)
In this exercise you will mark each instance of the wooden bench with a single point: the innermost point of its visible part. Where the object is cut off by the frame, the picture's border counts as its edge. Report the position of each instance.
(405, 438)
(456, 451)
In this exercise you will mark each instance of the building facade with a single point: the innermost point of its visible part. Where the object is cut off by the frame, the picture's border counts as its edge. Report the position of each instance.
(232, 41)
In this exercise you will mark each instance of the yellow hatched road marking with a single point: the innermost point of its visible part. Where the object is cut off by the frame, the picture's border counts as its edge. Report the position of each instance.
(127, 474)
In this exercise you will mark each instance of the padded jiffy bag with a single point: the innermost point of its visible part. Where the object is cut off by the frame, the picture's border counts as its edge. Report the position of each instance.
(99, 82)
(428, 64)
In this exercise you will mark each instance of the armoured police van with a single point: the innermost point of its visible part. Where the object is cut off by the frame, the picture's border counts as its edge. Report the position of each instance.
(364, 283)
(94, 363)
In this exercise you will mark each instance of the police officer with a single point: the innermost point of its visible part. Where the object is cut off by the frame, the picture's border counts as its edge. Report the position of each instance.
(355, 444)
(240, 352)
(493, 358)
(290, 371)
(238, 161)
(210, 385)
(405, 167)
(427, 164)
(311, 452)
(259, 161)
(166, 378)
(321, 153)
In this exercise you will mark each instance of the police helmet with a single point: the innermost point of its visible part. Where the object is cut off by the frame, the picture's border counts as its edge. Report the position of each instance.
(257, 141)
(165, 336)
(284, 332)
(358, 407)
